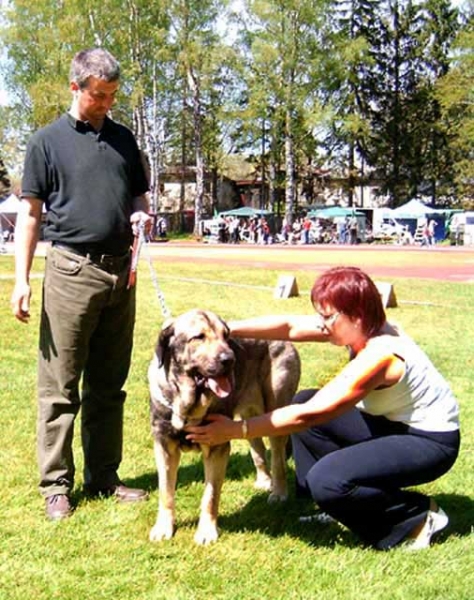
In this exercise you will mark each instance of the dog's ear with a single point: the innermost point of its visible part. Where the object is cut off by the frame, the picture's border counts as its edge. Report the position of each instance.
(224, 324)
(163, 343)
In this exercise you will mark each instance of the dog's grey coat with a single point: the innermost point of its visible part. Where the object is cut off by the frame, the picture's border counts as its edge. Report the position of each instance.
(197, 369)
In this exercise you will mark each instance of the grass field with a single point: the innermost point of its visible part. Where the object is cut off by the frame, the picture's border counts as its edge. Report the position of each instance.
(103, 551)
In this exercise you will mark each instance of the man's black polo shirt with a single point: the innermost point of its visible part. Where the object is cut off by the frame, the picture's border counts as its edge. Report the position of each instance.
(87, 181)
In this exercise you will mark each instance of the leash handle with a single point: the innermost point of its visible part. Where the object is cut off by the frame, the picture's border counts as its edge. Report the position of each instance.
(137, 244)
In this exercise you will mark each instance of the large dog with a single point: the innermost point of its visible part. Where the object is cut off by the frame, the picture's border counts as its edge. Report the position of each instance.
(198, 369)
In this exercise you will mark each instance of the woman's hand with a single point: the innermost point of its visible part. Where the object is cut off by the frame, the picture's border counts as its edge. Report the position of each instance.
(218, 430)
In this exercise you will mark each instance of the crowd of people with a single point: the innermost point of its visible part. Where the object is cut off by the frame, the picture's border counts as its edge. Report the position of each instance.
(303, 230)
(234, 230)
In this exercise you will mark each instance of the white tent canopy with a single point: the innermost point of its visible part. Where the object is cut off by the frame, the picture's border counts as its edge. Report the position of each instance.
(413, 209)
(10, 205)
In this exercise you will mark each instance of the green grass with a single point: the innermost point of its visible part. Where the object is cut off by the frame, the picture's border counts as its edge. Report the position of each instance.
(103, 551)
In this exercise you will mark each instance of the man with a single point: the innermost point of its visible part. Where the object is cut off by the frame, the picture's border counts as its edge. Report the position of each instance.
(353, 229)
(86, 170)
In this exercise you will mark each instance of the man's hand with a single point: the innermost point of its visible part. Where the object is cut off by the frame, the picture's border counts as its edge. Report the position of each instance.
(20, 302)
(141, 217)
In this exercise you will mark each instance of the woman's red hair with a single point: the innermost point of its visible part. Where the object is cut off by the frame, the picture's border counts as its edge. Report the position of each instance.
(352, 292)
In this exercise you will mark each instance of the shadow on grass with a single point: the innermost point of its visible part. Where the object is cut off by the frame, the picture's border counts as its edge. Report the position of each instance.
(279, 519)
(460, 510)
(239, 468)
(282, 519)
(275, 520)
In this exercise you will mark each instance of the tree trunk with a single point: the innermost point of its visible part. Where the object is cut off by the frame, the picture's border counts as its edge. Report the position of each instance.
(290, 170)
(199, 200)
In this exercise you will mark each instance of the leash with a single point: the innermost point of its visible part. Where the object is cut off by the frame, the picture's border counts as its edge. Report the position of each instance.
(138, 242)
(165, 311)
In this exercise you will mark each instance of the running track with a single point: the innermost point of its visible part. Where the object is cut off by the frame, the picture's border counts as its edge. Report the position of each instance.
(445, 263)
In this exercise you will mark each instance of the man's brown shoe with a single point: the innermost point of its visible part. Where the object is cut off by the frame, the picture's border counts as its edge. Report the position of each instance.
(58, 507)
(120, 491)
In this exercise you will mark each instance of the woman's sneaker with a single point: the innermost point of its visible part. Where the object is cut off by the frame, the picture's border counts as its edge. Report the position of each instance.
(317, 517)
(436, 521)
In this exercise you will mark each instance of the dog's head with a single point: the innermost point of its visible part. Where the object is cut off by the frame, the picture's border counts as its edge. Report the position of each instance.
(195, 357)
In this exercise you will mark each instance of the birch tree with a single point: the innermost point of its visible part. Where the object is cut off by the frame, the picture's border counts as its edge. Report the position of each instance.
(284, 66)
(199, 59)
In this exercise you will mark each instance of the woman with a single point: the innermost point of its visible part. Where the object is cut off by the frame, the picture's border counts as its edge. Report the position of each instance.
(388, 420)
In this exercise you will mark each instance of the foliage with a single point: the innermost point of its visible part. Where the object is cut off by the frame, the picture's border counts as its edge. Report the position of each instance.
(281, 39)
(350, 86)
(454, 91)
(401, 137)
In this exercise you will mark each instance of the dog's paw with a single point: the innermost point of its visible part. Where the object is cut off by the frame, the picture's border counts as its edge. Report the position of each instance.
(275, 497)
(263, 482)
(206, 534)
(161, 531)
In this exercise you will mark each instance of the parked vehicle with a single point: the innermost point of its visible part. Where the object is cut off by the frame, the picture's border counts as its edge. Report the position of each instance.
(388, 228)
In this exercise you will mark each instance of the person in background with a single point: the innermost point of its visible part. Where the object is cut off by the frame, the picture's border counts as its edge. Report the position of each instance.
(87, 171)
(387, 421)
(234, 230)
(307, 224)
(431, 232)
(341, 223)
(353, 227)
(285, 230)
(296, 231)
(222, 229)
(263, 231)
(162, 228)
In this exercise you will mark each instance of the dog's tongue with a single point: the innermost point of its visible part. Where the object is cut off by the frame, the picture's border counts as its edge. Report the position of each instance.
(221, 386)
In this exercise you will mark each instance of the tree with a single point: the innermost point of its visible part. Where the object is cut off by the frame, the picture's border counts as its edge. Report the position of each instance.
(455, 94)
(347, 92)
(42, 37)
(318, 83)
(409, 48)
(283, 44)
(200, 59)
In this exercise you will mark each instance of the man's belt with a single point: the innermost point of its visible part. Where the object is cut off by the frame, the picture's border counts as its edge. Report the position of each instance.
(94, 253)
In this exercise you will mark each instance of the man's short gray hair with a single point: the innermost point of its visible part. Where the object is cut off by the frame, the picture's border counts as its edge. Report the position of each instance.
(95, 62)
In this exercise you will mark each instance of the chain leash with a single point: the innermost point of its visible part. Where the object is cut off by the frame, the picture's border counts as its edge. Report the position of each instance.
(154, 278)
(140, 241)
